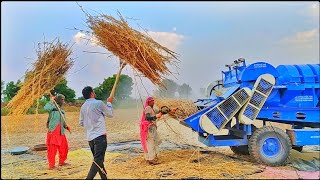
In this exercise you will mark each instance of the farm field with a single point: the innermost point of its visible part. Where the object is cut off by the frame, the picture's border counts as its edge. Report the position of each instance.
(182, 156)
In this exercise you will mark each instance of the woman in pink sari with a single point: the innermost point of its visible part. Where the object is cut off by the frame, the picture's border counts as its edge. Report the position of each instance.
(148, 132)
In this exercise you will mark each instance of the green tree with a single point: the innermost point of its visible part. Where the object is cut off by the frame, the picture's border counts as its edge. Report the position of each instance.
(62, 88)
(169, 89)
(123, 89)
(184, 90)
(11, 90)
(2, 86)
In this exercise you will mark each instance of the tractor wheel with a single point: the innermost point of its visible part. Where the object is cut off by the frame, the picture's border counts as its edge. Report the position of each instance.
(270, 146)
(242, 150)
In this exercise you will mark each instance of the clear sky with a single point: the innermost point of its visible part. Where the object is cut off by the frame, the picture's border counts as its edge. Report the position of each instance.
(207, 35)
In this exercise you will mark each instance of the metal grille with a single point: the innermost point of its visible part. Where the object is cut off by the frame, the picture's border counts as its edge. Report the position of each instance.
(261, 91)
(250, 112)
(257, 99)
(224, 111)
(216, 117)
(228, 107)
(241, 96)
(264, 86)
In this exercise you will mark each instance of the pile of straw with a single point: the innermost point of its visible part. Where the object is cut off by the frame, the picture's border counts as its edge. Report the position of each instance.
(179, 164)
(49, 69)
(137, 49)
(183, 164)
(184, 108)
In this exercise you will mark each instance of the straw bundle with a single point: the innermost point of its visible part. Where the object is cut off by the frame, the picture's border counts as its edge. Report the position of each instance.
(137, 49)
(49, 69)
(184, 108)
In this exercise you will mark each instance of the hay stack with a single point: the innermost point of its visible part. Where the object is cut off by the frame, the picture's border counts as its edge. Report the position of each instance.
(52, 64)
(185, 108)
(137, 49)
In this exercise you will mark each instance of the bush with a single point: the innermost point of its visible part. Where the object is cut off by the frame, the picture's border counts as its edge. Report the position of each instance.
(4, 111)
(32, 110)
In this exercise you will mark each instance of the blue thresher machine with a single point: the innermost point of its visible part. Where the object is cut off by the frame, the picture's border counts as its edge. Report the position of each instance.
(288, 94)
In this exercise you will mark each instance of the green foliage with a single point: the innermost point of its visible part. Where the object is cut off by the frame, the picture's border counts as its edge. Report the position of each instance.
(11, 90)
(4, 111)
(123, 89)
(81, 99)
(169, 90)
(62, 88)
(32, 110)
(42, 102)
(2, 86)
(184, 90)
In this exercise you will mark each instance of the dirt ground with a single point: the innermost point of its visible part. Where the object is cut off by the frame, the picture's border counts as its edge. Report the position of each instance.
(194, 161)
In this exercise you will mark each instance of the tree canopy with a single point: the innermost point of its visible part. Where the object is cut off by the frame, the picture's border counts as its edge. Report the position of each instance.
(172, 88)
(169, 90)
(123, 89)
(62, 88)
(184, 91)
(11, 90)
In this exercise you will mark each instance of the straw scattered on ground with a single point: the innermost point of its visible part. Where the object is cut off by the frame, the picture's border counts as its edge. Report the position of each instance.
(124, 126)
(174, 165)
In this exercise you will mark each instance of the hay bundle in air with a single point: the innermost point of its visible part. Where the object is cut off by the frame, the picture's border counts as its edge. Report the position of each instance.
(137, 49)
(49, 69)
(184, 108)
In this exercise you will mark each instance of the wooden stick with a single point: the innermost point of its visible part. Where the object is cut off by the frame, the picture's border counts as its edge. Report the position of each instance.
(117, 80)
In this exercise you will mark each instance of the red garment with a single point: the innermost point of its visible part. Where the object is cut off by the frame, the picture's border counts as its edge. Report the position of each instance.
(55, 141)
(144, 126)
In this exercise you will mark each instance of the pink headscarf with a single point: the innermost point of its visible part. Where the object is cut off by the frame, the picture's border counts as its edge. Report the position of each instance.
(144, 126)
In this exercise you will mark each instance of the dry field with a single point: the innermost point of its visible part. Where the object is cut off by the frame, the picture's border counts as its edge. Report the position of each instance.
(192, 162)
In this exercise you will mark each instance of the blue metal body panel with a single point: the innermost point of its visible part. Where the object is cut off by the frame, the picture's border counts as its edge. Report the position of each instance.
(302, 137)
(295, 100)
(291, 114)
(223, 140)
(193, 120)
(252, 72)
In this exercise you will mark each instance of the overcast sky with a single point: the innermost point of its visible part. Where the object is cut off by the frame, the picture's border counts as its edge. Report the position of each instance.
(207, 35)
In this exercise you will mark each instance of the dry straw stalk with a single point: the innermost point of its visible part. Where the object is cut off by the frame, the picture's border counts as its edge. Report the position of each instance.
(49, 69)
(136, 48)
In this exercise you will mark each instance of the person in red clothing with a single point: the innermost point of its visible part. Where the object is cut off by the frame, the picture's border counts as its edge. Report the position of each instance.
(148, 132)
(56, 139)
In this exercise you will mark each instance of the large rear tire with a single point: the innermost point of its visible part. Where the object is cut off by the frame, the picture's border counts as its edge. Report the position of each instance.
(270, 146)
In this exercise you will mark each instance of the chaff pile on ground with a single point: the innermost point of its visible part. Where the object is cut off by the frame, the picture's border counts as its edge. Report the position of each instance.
(184, 108)
(178, 164)
(47, 71)
(136, 48)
